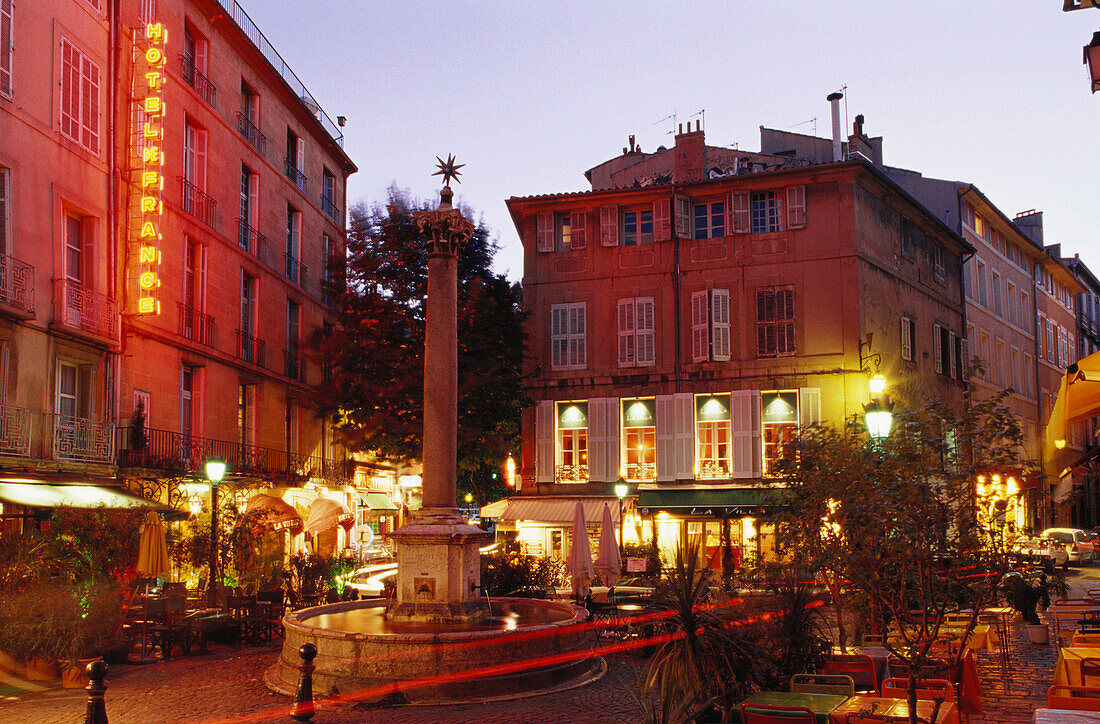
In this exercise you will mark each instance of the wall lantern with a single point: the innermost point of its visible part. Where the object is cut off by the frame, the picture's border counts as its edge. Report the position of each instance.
(1092, 60)
(879, 416)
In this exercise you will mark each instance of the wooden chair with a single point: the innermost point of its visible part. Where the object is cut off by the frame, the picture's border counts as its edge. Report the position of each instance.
(768, 714)
(931, 669)
(1090, 671)
(927, 689)
(1080, 698)
(823, 684)
(858, 666)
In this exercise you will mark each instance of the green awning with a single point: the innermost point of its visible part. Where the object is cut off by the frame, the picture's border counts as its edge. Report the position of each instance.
(377, 502)
(718, 502)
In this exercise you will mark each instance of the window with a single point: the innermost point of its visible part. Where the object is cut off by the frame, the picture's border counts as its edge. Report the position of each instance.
(1010, 302)
(293, 325)
(295, 159)
(247, 236)
(74, 249)
(1028, 376)
(5, 48)
(1015, 372)
(764, 211)
(710, 220)
(66, 389)
(248, 119)
(5, 211)
(194, 155)
(249, 348)
(775, 322)
(147, 12)
(779, 420)
(710, 325)
(187, 399)
(995, 291)
(568, 336)
(982, 295)
(94, 4)
(796, 207)
(79, 97)
(908, 331)
(293, 243)
(713, 433)
(636, 334)
(328, 194)
(637, 227)
(572, 454)
(562, 232)
(193, 65)
(143, 401)
(326, 269)
(949, 351)
(246, 415)
(1001, 373)
(640, 439)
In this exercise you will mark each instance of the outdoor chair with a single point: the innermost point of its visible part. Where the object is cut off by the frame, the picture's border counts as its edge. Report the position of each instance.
(823, 684)
(858, 666)
(768, 714)
(1086, 639)
(1081, 698)
(1090, 671)
(931, 669)
(880, 719)
(874, 640)
(242, 612)
(928, 689)
(1094, 594)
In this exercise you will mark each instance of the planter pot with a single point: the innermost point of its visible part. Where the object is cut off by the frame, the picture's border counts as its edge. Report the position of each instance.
(42, 669)
(12, 665)
(73, 676)
(1038, 633)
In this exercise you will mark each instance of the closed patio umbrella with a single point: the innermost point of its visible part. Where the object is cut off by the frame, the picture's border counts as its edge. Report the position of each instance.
(579, 562)
(609, 561)
(273, 512)
(152, 550)
(325, 513)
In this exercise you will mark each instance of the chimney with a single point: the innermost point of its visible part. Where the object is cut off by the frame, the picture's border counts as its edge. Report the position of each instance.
(690, 154)
(1031, 223)
(838, 149)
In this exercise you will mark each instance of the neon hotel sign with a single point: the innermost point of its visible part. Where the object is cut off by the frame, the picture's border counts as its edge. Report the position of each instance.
(152, 162)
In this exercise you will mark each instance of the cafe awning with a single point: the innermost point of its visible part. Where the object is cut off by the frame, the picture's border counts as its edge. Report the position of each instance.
(377, 502)
(495, 510)
(32, 494)
(558, 510)
(1078, 398)
(713, 501)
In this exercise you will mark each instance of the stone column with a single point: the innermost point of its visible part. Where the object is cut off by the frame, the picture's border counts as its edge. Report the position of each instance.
(441, 386)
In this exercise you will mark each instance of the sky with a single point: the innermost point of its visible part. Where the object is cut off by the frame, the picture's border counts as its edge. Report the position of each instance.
(530, 95)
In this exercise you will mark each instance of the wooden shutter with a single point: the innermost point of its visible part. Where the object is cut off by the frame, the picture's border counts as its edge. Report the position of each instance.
(937, 346)
(645, 332)
(89, 259)
(745, 424)
(578, 335)
(84, 391)
(627, 350)
(609, 226)
(720, 324)
(700, 327)
(578, 230)
(739, 202)
(809, 405)
(784, 314)
(200, 161)
(661, 230)
(544, 442)
(684, 403)
(200, 66)
(559, 340)
(906, 340)
(603, 439)
(5, 47)
(544, 230)
(89, 107)
(70, 91)
(301, 157)
(796, 207)
(666, 437)
(683, 217)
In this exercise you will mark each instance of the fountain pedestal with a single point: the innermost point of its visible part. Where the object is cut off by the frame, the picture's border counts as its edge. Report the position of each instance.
(439, 572)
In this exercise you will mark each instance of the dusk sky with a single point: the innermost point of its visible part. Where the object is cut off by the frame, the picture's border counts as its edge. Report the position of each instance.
(530, 95)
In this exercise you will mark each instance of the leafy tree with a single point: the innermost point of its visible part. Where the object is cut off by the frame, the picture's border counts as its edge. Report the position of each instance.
(375, 397)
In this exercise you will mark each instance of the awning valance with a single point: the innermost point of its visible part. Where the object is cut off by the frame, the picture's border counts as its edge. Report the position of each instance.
(274, 512)
(46, 495)
(376, 502)
(495, 510)
(558, 510)
(718, 502)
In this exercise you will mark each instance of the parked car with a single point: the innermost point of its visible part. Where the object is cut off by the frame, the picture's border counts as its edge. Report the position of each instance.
(1043, 551)
(1076, 542)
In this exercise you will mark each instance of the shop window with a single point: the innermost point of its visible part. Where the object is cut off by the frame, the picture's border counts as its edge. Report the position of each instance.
(639, 439)
(712, 436)
(572, 443)
(779, 425)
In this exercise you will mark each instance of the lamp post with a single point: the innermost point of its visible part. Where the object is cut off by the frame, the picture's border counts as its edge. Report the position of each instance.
(1092, 60)
(215, 471)
(620, 492)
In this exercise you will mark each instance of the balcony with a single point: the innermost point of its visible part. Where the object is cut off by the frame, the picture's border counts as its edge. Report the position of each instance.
(179, 452)
(250, 349)
(294, 174)
(81, 439)
(293, 367)
(641, 472)
(17, 286)
(251, 133)
(15, 431)
(571, 474)
(196, 326)
(80, 309)
(712, 470)
(329, 207)
(198, 203)
(295, 270)
(198, 81)
(250, 239)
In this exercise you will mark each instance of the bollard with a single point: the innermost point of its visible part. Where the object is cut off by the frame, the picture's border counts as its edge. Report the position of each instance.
(302, 709)
(97, 710)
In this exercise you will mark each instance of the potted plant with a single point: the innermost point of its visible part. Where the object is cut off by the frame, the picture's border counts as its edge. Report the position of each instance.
(1024, 590)
(92, 617)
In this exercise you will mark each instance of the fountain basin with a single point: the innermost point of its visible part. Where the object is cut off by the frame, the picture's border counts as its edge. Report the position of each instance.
(362, 654)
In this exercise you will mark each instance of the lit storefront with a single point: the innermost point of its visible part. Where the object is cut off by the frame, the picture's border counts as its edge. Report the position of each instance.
(544, 526)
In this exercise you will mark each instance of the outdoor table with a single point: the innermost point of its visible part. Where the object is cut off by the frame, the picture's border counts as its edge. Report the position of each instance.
(1072, 614)
(1068, 668)
(1065, 716)
(888, 707)
(820, 704)
(878, 654)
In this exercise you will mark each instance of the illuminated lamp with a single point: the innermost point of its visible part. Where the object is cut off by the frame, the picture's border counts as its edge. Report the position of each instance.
(879, 416)
(215, 471)
(1092, 60)
(877, 384)
(621, 490)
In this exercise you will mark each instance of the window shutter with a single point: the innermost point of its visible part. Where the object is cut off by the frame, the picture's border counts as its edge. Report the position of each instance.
(5, 47)
(626, 333)
(683, 217)
(200, 66)
(578, 230)
(609, 226)
(88, 257)
(685, 435)
(796, 207)
(953, 368)
(906, 340)
(700, 327)
(745, 423)
(809, 405)
(597, 440)
(200, 160)
(544, 442)
(70, 82)
(559, 317)
(937, 345)
(666, 436)
(739, 202)
(544, 230)
(661, 231)
(720, 324)
(646, 333)
(301, 156)
(578, 335)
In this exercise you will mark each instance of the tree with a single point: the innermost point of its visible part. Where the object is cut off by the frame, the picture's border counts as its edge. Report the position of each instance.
(375, 397)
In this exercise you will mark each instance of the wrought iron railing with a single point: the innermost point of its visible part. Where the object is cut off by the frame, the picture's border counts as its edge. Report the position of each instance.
(175, 451)
(251, 133)
(82, 439)
(79, 308)
(16, 284)
(250, 349)
(198, 203)
(294, 173)
(15, 431)
(198, 81)
(250, 239)
(712, 470)
(329, 207)
(196, 326)
(295, 270)
(293, 366)
(641, 471)
(571, 474)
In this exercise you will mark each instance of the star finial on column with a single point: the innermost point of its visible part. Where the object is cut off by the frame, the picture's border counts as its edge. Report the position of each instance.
(447, 169)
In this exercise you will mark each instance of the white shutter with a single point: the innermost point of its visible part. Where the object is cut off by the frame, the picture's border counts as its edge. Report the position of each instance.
(544, 442)
(683, 217)
(578, 230)
(603, 439)
(559, 337)
(301, 141)
(626, 333)
(906, 340)
(700, 327)
(609, 226)
(938, 347)
(745, 424)
(952, 354)
(666, 434)
(661, 231)
(796, 207)
(645, 335)
(684, 403)
(809, 405)
(739, 202)
(544, 231)
(720, 324)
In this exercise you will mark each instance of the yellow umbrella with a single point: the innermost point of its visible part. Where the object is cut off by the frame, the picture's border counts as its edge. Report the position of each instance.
(1078, 398)
(152, 550)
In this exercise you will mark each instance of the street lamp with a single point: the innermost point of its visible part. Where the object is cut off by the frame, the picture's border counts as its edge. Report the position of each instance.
(1092, 60)
(879, 415)
(621, 490)
(215, 471)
